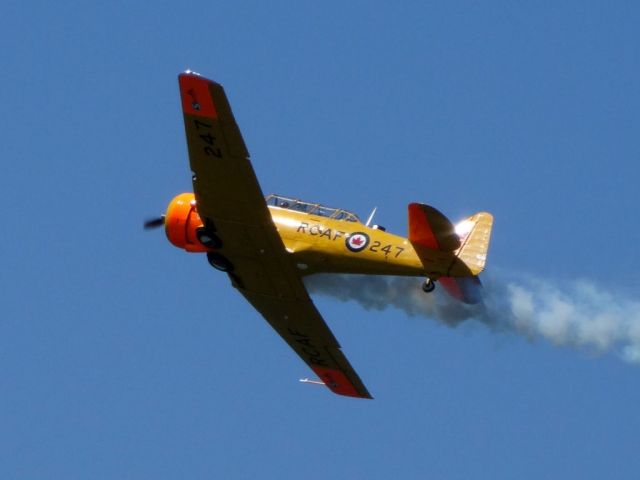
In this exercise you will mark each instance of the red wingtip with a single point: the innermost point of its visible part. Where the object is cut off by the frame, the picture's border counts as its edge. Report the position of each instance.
(337, 382)
(196, 96)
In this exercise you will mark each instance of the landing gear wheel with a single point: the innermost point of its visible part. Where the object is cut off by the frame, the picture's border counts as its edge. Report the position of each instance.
(219, 262)
(207, 238)
(428, 286)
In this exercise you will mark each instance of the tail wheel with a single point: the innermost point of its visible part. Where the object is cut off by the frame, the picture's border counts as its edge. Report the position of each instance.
(428, 286)
(219, 262)
(207, 238)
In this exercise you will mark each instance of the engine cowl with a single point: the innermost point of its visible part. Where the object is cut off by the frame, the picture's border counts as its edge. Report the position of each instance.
(181, 222)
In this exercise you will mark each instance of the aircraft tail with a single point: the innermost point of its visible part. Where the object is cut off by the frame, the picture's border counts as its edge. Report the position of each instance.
(453, 254)
(474, 234)
(448, 250)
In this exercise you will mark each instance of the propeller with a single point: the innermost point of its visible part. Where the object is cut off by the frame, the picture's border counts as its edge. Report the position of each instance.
(154, 222)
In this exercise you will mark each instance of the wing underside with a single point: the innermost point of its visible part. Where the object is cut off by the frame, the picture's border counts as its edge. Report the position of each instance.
(230, 201)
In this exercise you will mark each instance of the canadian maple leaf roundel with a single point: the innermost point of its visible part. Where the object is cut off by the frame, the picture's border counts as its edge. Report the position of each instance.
(357, 241)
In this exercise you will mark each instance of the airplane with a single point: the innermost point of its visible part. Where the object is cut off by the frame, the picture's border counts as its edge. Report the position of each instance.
(266, 245)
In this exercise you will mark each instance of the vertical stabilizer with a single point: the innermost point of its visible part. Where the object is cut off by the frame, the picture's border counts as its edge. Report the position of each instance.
(475, 234)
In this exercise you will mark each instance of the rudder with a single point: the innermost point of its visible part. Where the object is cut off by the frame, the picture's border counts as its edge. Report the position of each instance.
(475, 235)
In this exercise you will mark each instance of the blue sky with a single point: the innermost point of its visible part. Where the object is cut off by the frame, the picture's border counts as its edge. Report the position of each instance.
(123, 357)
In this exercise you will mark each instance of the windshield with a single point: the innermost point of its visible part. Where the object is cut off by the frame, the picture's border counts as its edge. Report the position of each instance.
(312, 208)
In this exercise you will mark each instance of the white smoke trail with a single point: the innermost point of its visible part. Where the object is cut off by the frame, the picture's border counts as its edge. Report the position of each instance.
(578, 315)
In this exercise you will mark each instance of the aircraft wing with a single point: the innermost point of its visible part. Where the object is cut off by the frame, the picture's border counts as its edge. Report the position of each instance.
(230, 200)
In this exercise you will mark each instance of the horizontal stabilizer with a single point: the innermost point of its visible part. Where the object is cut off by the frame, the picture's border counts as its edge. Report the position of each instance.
(466, 289)
(431, 229)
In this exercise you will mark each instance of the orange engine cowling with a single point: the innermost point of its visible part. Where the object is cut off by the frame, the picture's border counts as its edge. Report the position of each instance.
(181, 222)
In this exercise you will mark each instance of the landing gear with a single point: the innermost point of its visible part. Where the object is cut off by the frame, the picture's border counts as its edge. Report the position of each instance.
(219, 262)
(428, 286)
(207, 238)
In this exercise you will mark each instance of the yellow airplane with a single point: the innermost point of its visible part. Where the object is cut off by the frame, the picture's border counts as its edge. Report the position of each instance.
(266, 245)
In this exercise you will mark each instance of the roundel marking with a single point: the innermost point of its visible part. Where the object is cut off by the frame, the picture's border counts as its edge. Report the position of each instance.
(357, 241)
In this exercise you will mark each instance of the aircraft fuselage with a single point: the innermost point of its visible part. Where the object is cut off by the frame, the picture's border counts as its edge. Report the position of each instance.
(321, 244)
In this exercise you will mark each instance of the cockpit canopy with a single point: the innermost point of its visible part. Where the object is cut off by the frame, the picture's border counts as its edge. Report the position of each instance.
(312, 208)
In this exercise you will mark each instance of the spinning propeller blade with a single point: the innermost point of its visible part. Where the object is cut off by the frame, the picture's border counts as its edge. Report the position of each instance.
(154, 223)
